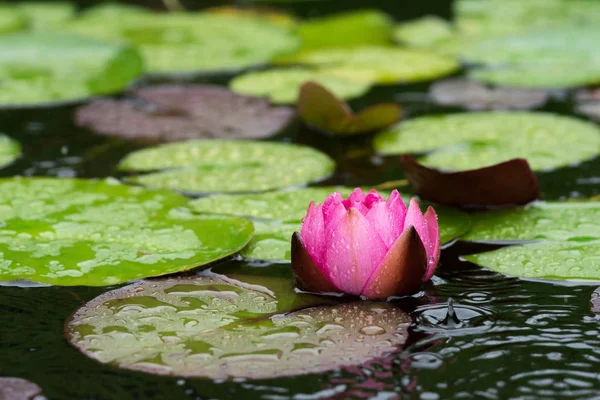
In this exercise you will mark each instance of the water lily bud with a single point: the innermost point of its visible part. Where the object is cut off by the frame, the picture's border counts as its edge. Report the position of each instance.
(366, 246)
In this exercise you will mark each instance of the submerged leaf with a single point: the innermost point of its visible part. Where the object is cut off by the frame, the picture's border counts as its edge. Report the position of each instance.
(507, 183)
(321, 109)
(215, 327)
(475, 96)
(172, 113)
(76, 232)
(475, 140)
(204, 166)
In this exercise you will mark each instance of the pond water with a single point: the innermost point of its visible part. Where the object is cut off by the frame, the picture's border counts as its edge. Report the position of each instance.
(476, 333)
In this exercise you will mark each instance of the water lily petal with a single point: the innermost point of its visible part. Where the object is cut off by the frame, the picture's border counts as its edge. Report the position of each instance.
(432, 247)
(354, 251)
(313, 233)
(415, 218)
(357, 196)
(381, 220)
(397, 209)
(308, 275)
(401, 271)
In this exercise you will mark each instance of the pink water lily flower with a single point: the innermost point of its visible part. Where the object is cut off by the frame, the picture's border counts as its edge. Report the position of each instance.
(365, 245)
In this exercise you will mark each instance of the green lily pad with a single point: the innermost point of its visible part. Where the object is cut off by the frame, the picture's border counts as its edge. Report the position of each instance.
(378, 64)
(42, 67)
(44, 16)
(277, 215)
(205, 166)
(551, 260)
(423, 32)
(282, 86)
(475, 140)
(12, 20)
(554, 58)
(75, 232)
(193, 42)
(9, 150)
(216, 327)
(574, 221)
(271, 241)
(347, 29)
(283, 206)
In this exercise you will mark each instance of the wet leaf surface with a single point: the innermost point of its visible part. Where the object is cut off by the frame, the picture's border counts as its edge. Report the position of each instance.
(9, 150)
(475, 140)
(475, 96)
(173, 113)
(379, 64)
(282, 85)
(277, 215)
(45, 16)
(551, 260)
(216, 327)
(347, 29)
(18, 389)
(75, 232)
(64, 68)
(191, 42)
(508, 183)
(205, 166)
(557, 221)
(321, 109)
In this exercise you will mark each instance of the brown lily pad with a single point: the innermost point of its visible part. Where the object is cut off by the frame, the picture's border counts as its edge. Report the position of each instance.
(508, 183)
(169, 113)
(18, 389)
(321, 109)
(475, 96)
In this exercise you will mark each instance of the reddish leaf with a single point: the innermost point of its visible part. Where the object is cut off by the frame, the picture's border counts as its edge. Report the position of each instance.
(508, 183)
(401, 271)
(308, 276)
(321, 109)
(174, 112)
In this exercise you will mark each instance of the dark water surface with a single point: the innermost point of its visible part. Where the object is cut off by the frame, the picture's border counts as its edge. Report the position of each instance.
(506, 337)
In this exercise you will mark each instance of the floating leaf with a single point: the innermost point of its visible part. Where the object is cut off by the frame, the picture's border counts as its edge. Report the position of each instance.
(75, 232)
(554, 58)
(282, 85)
(271, 241)
(283, 206)
(573, 221)
(277, 215)
(219, 328)
(346, 29)
(193, 42)
(12, 20)
(475, 96)
(507, 183)
(204, 166)
(551, 260)
(172, 113)
(45, 16)
(46, 67)
(9, 150)
(595, 301)
(476, 140)
(18, 389)
(321, 109)
(272, 16)
(378, 64)
(423, 32)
